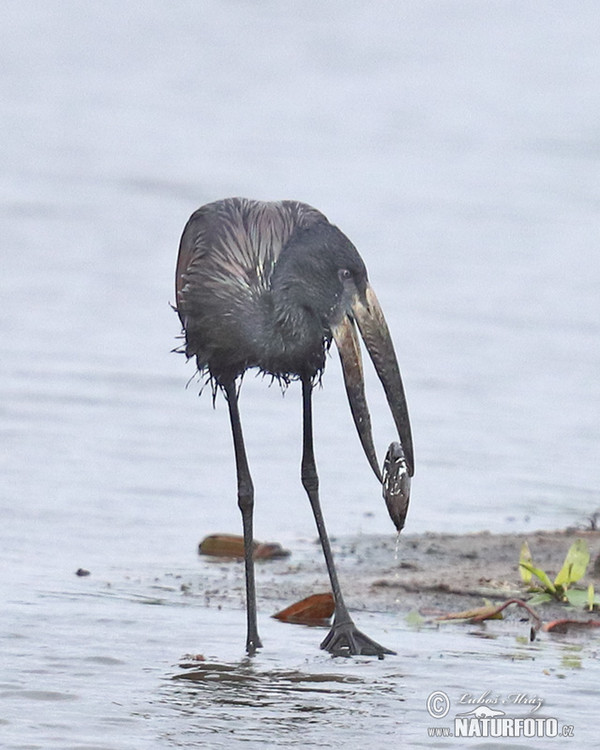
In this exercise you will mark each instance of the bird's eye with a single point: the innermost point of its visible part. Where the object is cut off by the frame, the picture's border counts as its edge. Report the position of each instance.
(344, 274)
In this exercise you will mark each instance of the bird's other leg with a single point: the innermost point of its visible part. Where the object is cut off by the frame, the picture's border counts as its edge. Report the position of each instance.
(246, 506)
(344, 638)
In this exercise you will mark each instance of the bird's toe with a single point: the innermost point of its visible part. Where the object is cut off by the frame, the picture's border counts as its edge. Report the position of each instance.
(347, 640)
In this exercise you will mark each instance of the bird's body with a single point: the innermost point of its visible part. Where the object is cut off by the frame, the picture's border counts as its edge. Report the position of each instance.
(238, 293)
(268, 285)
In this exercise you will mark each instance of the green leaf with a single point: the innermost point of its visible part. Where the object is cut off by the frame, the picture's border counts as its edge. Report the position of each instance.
(590, 597)
(541, 598)
(414, 619)
(577, 597)
(539, 574)
(527, 559)
(575, 563)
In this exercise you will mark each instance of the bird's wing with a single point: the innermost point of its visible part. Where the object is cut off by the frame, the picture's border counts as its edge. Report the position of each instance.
(229, 248)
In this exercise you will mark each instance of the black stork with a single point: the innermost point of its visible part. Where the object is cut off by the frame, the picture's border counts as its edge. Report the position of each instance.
(269, 285)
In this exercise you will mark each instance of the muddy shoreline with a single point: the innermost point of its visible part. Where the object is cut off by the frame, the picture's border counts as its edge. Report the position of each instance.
(429, 573)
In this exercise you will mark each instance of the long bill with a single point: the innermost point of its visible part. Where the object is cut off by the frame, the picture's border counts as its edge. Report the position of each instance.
(376, 335)
(374, 330)
(348, 345)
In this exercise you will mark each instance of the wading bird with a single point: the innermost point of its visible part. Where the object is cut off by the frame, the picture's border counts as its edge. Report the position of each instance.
(269, 285)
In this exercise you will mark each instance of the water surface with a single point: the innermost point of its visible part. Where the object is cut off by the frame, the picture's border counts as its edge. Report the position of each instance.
(456, 143)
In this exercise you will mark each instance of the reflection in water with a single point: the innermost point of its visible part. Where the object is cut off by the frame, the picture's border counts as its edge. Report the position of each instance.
(274, 705)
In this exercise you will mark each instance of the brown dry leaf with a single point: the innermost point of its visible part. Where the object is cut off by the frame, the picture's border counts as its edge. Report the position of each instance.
(222, 545)
(232, 546)
(313, 610)
(487, 612)
(269, 551)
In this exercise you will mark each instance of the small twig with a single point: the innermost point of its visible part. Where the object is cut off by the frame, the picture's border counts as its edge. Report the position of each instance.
(520, 603)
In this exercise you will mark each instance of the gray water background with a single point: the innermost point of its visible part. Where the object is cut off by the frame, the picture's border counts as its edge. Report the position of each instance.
(456, 143)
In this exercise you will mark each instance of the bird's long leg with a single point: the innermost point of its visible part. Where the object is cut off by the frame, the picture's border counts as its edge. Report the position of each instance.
(246, 506)
(344, 638)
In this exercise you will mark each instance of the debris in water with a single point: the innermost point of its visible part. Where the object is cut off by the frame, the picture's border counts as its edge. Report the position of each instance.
(313, 610)
(491, 612)
(232, 546)
(563, 626)
(194, 657)
(487, 612)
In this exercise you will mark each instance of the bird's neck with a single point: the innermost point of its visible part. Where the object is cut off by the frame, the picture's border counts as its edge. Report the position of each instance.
(298, 336)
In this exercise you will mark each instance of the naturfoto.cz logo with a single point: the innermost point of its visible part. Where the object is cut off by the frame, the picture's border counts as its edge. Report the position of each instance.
(484, 719)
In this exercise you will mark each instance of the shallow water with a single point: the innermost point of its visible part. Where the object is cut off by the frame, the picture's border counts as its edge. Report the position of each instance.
(95, 665)
(457, 145)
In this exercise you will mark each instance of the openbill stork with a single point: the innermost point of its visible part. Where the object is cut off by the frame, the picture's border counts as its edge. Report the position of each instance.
(269, 285)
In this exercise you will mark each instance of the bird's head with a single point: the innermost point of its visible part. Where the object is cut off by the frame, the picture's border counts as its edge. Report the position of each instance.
(320, 271)
(323, 273)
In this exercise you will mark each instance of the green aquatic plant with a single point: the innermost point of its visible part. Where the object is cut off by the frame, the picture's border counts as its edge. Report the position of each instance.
(572, 571)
